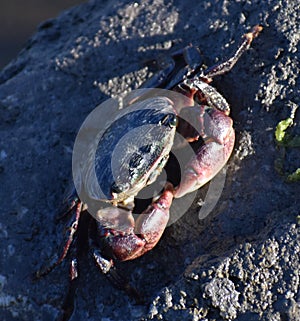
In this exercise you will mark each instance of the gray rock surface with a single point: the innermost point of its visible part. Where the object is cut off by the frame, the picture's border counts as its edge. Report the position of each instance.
(239, 263)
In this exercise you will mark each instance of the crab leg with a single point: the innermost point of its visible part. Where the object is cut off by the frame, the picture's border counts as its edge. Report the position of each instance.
(68, 305)
(107, 267)
(70, 236)
(227, 65)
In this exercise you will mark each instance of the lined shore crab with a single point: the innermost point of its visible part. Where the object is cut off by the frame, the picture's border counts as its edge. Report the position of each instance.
(202, 115)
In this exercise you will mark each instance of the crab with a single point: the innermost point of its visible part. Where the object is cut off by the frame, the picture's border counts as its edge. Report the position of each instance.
(201, 116)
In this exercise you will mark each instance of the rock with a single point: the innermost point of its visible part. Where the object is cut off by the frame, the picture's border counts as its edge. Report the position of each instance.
(255, 282)
(239, 263)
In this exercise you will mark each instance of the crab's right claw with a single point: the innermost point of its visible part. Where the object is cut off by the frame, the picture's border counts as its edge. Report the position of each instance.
(151, 224)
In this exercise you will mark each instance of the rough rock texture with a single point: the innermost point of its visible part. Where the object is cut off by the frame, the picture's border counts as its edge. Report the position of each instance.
(239, 263)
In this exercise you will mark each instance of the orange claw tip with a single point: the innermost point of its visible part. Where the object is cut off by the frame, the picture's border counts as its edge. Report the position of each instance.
(254, 33)
(256, 30)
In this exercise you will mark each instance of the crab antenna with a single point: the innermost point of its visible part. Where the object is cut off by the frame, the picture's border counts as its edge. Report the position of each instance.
(225, 66)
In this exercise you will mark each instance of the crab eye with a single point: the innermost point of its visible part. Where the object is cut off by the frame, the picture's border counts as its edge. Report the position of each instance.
(170, 120)
(118, 188)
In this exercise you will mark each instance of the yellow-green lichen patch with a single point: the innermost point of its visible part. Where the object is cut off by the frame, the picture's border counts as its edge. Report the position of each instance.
(284, 140)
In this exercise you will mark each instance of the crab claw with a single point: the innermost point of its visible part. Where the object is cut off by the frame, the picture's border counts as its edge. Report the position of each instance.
(149, 227)
(151, 224)
(205, 164)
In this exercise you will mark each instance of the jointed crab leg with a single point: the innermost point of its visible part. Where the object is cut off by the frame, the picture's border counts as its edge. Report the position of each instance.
(70, 236)
(107, 267)
(68, 305)
(224, 67)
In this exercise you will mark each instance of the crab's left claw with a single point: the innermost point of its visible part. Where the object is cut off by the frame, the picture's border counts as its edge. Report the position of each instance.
(205, 164)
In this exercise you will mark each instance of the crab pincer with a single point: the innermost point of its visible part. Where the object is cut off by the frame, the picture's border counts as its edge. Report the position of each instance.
(147, 231)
